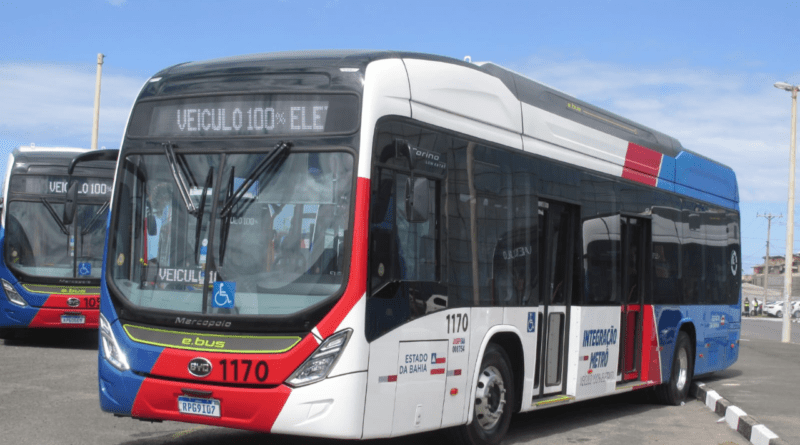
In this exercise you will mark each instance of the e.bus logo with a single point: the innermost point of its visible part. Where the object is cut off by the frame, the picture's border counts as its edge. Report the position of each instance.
(200, 367)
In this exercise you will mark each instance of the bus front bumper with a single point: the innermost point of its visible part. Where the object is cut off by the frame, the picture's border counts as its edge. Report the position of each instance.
(332, 408)
(34, 317)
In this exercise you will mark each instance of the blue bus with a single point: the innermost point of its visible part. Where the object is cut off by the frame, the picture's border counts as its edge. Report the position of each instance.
(50, 263)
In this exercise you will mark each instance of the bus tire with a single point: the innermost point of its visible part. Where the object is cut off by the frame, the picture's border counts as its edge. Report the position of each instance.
(675, 391)
(494, 401)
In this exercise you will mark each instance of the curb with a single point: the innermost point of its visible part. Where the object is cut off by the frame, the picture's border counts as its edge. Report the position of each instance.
(735, 417)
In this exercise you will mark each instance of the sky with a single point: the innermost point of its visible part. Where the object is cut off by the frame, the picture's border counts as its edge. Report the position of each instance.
(702, 72)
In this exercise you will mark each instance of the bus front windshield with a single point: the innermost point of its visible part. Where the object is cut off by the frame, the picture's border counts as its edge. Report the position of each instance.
(39, 245)
(231, 233)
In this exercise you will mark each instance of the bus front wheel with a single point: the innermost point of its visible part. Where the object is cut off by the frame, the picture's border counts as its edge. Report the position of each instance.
(494, 401)
(675, 391)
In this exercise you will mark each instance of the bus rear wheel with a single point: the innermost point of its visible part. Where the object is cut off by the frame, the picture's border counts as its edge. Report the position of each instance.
(675, 391)
(494, 401)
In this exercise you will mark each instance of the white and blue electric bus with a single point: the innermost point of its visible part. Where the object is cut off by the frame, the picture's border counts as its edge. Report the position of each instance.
(364, 244)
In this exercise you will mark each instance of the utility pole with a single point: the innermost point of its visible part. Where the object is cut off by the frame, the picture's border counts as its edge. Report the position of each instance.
(769, 217)
(787, 277)
(96, 123)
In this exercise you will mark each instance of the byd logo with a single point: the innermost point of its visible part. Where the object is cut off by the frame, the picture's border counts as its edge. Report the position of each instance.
(200, 367)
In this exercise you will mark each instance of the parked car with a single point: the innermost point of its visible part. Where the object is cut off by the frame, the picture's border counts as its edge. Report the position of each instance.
(775, 309)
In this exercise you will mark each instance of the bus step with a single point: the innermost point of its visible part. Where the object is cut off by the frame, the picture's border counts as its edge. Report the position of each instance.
(554, 400)
(636, 384)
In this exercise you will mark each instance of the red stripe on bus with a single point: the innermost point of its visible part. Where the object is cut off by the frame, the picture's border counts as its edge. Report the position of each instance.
(436, 371)
(174, 364)
(252, 409)
(357, 282)
(51, 318)
(651, 364)
(60, 301)
(641, 164)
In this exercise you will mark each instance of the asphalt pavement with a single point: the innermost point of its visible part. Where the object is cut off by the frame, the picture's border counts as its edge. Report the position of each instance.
(765, 381)
(48, 395)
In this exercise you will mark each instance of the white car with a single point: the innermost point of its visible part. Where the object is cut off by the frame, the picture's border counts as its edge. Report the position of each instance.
(775, 309)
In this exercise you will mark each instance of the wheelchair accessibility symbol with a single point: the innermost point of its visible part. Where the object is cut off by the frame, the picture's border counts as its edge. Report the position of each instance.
(84, 269)
(224, 294)
(531, 321)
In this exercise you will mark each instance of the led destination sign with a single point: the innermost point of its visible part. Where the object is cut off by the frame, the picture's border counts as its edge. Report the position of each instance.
(245, 116)
(57, 185)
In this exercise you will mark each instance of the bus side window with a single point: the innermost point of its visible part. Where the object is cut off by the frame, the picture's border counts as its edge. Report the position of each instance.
(381, 234)
(601, 253)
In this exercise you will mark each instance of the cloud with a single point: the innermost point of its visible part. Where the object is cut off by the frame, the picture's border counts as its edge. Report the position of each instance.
(53, 104)
(738, 119)
(117, 2)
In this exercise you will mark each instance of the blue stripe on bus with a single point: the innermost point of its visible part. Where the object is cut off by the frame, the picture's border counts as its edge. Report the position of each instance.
(140, 356)
(700, 178)
(118, 389)
(11, 314)
(666, 175)
(706, 320)
(696, 177)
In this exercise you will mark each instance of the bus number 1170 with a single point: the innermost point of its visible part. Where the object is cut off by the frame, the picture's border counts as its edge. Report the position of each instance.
(457, 323)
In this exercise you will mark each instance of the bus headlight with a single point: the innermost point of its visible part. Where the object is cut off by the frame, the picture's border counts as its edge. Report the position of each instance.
(12, 294)
(110, 347)
(317, 367)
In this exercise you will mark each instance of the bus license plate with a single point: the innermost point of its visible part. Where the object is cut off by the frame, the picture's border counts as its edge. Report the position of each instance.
(198, 407)
(73, 319)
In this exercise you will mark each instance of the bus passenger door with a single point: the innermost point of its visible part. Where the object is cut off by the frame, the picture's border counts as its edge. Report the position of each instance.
(556, 247)
(635, 234)
(405, 282)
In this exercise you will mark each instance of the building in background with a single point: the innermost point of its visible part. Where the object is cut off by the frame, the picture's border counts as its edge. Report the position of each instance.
(777, 267)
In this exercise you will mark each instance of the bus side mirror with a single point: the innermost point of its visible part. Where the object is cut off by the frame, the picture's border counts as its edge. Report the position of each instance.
(70, 204)
(417, 199)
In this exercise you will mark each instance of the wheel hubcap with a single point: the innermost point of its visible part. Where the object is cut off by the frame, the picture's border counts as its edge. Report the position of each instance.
(683, 368)
(490, 399)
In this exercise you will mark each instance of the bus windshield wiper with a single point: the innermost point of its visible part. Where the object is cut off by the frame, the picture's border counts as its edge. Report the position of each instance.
(54, 215)
(177, 175)
(200, 214)
(88, 226)
(268, 166)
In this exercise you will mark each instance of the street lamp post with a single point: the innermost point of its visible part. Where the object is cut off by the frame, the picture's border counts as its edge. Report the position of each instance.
(787, 277)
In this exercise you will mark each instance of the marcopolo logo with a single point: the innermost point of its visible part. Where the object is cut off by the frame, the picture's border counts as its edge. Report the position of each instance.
(200, 367)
